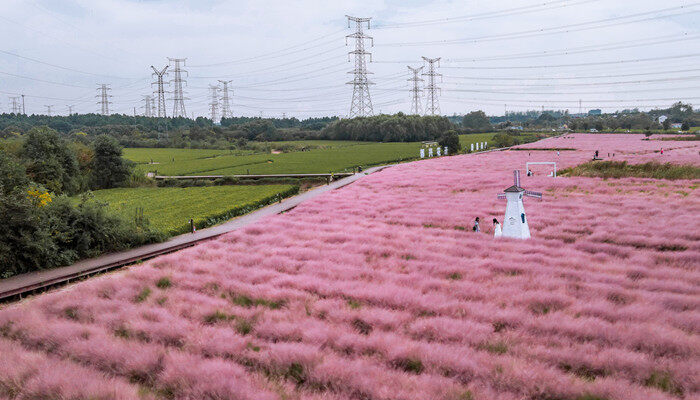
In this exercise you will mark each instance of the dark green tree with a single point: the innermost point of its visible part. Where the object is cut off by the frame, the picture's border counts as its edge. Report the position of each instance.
(50, 161)
(477, 121)
(109, 169)
(450, 139)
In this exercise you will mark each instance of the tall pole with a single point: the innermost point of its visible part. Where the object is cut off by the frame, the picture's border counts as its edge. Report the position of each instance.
(178, 92)
(24, 110)
(361, 104)
(160, 92)
(214, 105)
(225, 101)
(433, 106)
(415, 90)
(104, 98)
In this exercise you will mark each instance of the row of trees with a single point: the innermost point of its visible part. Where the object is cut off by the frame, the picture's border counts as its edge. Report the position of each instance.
(388, 128)
(42, 226)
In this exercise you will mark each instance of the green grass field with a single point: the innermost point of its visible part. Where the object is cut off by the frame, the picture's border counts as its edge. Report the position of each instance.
(466, 140)
(341, 156)
(170, 209)
(146, 155)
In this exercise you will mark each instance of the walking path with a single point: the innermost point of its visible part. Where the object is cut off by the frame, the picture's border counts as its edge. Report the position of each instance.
(25, 283)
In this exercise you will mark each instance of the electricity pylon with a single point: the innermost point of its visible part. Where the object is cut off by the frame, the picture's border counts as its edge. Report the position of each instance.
(361, 104)
(178, 93)
(160, 92)
(416, 91)
(15, 104)
(225, 101)
(104, 98)
(48, 109)
(432, 106)
(214, 105)
(147, 106)
(70, 109)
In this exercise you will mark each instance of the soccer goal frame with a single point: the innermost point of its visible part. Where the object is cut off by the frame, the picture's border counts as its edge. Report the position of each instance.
(527, 166)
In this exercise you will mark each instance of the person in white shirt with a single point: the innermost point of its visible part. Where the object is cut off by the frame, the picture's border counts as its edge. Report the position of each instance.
(497, 232)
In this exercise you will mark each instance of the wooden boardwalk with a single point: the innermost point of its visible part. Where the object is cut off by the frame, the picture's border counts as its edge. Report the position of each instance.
(17, 286)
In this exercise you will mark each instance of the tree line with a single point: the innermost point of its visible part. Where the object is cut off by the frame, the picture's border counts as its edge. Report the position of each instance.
(43, 226)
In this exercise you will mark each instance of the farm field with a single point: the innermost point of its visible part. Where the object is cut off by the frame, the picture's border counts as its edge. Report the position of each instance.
(170, 209)
(380, 290)
(142, 155)
(320, 160)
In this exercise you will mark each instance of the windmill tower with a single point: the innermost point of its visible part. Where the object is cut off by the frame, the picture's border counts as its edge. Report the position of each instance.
(515, 223)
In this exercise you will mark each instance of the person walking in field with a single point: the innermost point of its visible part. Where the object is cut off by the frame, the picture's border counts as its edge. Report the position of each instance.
(497, 232)
(475, 228)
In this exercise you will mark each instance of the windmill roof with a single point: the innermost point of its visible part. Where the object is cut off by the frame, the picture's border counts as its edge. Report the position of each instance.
(513, 189)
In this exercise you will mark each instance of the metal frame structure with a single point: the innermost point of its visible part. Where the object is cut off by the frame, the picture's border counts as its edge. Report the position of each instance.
(361, 105)
(527, 166)
(432, 105)
(416, 91)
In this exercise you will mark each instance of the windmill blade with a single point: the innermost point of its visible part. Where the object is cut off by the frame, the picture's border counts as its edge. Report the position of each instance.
(536, 195)
(516, 177)
(501, 196)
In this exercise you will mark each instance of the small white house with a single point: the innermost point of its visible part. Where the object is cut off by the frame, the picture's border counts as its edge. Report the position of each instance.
(662, 118)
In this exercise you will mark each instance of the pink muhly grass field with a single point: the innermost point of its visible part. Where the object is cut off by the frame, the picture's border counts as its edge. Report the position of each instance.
(380, 290)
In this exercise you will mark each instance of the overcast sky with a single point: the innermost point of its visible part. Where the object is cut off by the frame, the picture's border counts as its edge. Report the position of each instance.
(290, 56)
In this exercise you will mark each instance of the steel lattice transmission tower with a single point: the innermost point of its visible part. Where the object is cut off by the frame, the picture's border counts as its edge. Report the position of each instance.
(48, 109)
(160, 91)
(416, 91)
(225, 101)
(361, 105)
(104, 98)
(70, 109)
(432, 106)
(178, 93)
(214, 105)
(15, 104)
(148, 106)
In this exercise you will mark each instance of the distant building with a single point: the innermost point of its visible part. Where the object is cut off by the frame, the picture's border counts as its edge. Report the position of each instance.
(662, 118)
(676, 125)
(593, 130)
(597, 111)
(515, 128)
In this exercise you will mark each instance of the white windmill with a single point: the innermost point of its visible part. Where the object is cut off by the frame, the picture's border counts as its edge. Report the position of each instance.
(515, 222)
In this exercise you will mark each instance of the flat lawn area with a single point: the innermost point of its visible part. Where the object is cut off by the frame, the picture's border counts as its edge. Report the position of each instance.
(170, 209)
(466, 140)
(343, 156)
(146, 155)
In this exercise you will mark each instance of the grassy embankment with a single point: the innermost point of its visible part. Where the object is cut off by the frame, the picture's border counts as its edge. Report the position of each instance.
(621, 169)
(170, 209)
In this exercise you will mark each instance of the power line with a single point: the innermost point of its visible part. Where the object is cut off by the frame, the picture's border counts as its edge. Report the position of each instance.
(581, 64)
(556, 29)
(550, 78)
(361, 104)
(273, 54)
(491, 14)
(60, 67)
(432, 106)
